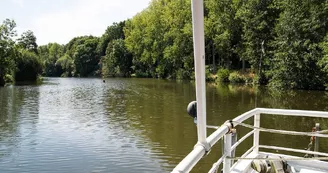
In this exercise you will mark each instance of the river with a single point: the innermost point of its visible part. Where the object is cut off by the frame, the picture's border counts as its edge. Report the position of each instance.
(82, 125)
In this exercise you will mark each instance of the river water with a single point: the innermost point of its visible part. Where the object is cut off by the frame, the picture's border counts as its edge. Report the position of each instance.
(76, 125)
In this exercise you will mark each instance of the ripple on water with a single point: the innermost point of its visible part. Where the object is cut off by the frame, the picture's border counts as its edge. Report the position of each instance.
(75, 126)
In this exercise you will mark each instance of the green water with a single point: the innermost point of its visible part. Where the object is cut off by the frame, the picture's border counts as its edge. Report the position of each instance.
(130, 125)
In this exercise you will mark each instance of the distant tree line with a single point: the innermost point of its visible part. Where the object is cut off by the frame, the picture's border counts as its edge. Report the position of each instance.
(282, 43)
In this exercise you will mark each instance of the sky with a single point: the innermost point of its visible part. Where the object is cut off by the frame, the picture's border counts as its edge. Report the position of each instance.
(61, 20)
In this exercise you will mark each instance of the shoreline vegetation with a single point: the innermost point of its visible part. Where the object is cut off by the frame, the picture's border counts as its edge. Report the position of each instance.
(279, 43)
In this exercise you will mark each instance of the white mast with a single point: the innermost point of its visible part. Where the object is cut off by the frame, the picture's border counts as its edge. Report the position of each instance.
(199, 59)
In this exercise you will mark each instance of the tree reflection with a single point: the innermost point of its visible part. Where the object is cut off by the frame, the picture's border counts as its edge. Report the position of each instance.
(18, 117)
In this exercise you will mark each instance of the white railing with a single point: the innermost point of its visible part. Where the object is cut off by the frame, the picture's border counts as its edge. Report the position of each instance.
(224, 131)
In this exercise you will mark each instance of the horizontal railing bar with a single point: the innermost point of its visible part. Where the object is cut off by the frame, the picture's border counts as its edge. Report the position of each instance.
(285, 132)
(242, 139)
(241, 118)
(217, 164)
(248, 151)
(218, 134)
(304, 113)
(190, 160)
(293, 150)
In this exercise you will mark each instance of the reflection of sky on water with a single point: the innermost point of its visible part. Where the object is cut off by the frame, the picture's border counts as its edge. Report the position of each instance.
(129, 125)
(65, 128)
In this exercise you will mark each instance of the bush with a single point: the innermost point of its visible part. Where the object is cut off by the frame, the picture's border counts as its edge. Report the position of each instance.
(208, 74)
(223, 75)
(182, 74)
(235, 77)
(9, 78)
(28, 66)
(141, 74)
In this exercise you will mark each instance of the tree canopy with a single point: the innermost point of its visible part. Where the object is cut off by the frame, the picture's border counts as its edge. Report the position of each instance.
(282, 43)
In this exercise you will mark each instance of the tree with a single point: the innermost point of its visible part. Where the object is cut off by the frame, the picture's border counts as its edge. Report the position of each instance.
(49, 54)
(28, 66)
(222, 31)
(113, 32)
(66, 63)
(302, 26)
(7, 49)
(85, 58)
(160, 39)
(28, 41)
(118, 60)
(258, 18)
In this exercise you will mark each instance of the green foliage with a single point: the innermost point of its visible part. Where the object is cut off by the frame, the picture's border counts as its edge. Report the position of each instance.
(257, 19)
(222, 30)
(301, 27)
(7, 48)
(223, 75)
(86, 58)
(208, 75)
(49, 54)
(118, 60)
(9, 78)
(28, 41)
(28, 66)
(183, 74)
(66, 63)
(280, 42)
(113, 32)
(160, 39)
(236, 77)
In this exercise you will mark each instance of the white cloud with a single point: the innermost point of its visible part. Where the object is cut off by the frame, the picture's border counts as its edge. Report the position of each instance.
(88, 17)
(20, 3)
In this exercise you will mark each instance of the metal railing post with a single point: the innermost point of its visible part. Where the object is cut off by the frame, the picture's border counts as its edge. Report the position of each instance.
(316, 141)
(227, 152)
(234, 138)
(256, 138)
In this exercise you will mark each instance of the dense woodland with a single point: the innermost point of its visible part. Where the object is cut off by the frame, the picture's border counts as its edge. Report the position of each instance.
(281, 43)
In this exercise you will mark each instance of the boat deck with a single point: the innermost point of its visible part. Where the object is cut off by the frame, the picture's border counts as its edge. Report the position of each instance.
(295, 164)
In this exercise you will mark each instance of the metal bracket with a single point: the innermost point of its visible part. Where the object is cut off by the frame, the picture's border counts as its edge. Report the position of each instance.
(206, 146)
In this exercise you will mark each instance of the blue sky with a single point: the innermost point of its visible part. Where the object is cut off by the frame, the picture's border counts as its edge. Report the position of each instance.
(61, 20)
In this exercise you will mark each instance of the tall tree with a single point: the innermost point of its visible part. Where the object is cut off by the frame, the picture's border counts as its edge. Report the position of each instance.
(86, 59)
(222, 31)
(118, 60)
(49, 54)
(258, 18)
(302, 26)
(160, 39)
(7, 49)
(28, 41)
(113, 32)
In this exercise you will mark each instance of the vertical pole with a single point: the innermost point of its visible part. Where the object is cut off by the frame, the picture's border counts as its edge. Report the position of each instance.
(316, 141)
(227, 151)
(234, 138)
(199, 60)
(256, 138)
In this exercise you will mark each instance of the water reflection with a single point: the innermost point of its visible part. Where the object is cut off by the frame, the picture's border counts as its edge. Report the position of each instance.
(131, 125)
(19, 118)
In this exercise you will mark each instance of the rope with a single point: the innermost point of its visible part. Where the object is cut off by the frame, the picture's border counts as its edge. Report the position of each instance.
(279, 159)
(285, 131)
